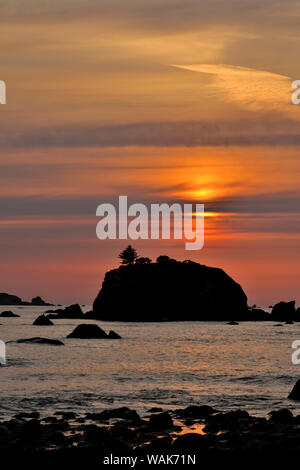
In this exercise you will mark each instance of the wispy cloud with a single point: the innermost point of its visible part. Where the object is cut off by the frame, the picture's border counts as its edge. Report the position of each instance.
(255, 90)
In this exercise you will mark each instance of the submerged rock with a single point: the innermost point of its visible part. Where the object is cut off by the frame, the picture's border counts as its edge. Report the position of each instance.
(86, 331)
(8, 314)
(295, 393)
(38, 340)
(43, 321)
(169, 291)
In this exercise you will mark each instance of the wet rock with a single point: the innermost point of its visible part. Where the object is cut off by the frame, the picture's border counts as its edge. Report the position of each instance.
(123, 432)
(161, 443)
(155, 410)
(196, 412)
(160, 422)
(190, 441)
(38, 340)
(43, 321)
(65, 414)
(32, 430)
(295, 393)
(281, 416)
(32, 415)
(8, 314)
(232, 420)
(86, 331)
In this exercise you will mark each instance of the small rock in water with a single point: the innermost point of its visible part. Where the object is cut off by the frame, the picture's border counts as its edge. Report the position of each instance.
(42, 321)
(232, 323)
(38, 340)
(86, 331)
(8, 314)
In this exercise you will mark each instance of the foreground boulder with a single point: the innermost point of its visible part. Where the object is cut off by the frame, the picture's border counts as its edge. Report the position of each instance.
(160, 422)
(169, 291)
(43, 321)
(295, 393)
(86, 331)
(73, 312)
(8, 314)
(284, 311)
(38, 340)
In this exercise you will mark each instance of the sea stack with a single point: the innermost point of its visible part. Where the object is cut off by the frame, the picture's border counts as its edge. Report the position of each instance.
(170, 290)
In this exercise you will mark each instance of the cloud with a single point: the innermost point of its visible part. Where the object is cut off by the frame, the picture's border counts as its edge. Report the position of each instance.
(264, 130)
(255, 90)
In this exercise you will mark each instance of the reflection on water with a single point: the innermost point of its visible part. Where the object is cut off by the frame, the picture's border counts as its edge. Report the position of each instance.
(171, 365)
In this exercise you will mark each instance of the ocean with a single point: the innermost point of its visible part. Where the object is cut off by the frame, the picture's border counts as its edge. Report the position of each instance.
(169, 365)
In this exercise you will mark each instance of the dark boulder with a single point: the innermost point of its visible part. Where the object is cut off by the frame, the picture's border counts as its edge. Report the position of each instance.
(169, 291)
(284, 311)
(155, 409)
(86, 331)
(113, 335)
(122, 413)
(8, 314)
(38, 340)
(160, 422)
(295, 393)
(190, 441)
(43, 321)
(232, 323)
(281, 416)
(31, 415)
(72, 312)
(196, 411)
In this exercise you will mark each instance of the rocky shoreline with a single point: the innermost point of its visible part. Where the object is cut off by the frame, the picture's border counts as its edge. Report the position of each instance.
(200, 431)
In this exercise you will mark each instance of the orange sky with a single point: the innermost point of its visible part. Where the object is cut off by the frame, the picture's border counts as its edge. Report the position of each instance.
(173, 101)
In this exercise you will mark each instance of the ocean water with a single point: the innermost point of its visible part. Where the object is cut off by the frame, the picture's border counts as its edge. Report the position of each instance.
(170, 365)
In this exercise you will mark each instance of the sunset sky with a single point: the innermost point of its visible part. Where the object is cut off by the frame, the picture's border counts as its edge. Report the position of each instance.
(163, 101)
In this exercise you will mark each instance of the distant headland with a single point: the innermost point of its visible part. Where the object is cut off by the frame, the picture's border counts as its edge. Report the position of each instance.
(9, 299)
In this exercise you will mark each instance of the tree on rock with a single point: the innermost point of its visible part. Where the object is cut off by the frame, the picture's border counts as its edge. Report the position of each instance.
(129, 255)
